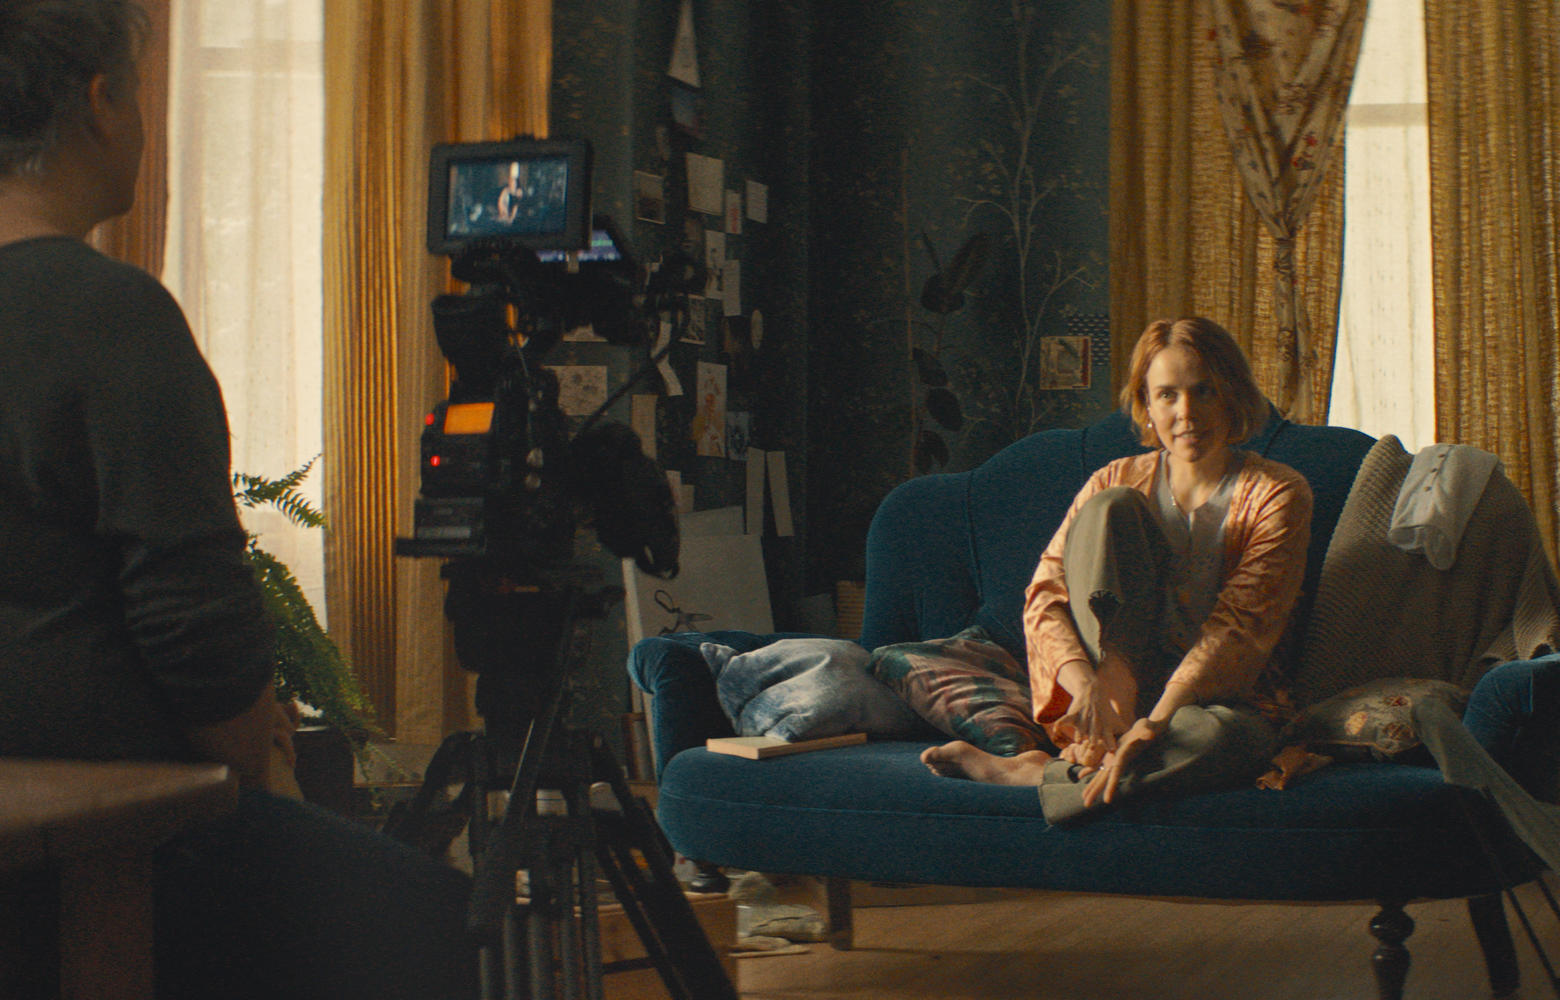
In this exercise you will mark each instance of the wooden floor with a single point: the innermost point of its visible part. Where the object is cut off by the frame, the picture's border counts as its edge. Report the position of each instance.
(1040, 947)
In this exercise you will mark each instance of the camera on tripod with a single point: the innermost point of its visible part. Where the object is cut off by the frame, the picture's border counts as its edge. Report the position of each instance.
(501, 478)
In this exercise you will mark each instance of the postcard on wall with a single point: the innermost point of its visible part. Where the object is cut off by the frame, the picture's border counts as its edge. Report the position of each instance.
(757, 201)
(649, 197)
(706, 184)
(685, 50)
(731, 287)
(714, 264)
(709, 420)
(734, 212)
(581, 388)
(1064, 362)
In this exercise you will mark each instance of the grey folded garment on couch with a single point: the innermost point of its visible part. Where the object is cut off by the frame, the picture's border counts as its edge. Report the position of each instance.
(800, 689)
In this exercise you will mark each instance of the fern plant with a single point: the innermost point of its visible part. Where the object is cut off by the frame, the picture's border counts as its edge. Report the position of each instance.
(309, 665)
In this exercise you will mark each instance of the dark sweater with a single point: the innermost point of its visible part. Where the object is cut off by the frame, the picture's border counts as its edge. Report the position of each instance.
(127, 610)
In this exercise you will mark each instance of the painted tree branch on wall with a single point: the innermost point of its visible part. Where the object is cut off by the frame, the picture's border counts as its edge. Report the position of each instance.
(1014, 190)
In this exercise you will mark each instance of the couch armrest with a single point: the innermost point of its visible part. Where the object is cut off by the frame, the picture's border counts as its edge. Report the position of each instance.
(685, 711)
(1514, 713)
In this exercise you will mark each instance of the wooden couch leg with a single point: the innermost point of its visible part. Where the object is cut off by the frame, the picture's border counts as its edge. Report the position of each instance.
(842, 932)
(1488, 914)
(1391, 927)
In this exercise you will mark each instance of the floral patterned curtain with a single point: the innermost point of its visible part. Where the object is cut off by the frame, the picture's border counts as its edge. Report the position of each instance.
(1283, 77)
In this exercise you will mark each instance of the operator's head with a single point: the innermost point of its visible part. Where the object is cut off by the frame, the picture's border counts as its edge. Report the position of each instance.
(51, 52)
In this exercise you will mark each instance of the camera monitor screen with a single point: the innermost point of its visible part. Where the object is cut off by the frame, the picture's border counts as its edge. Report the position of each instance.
(533, 193)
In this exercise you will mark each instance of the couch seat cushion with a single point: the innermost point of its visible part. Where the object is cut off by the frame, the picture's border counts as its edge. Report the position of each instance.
(874, 812)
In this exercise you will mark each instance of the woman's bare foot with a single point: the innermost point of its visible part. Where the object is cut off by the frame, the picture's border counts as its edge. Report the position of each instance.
(963, 760)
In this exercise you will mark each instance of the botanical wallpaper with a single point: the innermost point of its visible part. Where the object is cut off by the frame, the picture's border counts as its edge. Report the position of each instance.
(929, 284)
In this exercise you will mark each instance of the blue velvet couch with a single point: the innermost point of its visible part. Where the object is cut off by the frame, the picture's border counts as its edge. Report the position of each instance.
(948, 551)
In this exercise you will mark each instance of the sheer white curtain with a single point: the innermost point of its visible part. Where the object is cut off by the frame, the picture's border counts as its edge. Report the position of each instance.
(1384, 374)
(246, 166)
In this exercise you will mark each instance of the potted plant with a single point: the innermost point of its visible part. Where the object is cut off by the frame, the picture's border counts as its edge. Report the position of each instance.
(310, 668)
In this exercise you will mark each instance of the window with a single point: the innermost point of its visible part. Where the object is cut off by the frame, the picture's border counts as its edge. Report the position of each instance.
(1384, 374)
(246, 166)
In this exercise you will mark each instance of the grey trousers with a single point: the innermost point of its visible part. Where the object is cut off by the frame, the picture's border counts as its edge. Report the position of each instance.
(1117, 556)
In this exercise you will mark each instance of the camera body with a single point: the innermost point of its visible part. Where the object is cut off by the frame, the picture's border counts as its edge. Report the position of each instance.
(501, 479)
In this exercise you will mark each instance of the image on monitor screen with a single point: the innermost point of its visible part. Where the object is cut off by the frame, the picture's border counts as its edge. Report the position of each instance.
(508, 197)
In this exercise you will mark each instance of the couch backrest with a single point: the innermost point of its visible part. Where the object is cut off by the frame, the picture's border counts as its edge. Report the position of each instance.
(948, 551)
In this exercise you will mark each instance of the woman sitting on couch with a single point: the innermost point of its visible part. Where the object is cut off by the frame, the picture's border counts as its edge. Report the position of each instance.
(1186, 563)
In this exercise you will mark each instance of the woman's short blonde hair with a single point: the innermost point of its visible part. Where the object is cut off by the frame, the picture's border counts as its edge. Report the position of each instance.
(1222, 362)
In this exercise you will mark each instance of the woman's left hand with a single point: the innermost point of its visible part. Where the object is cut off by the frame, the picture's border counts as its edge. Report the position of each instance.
(1103, 785)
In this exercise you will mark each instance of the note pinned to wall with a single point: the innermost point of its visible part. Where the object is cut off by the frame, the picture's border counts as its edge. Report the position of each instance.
(684, 66)
(706, 184)
(642, 420)
(780, 494)
(756, 464)
(757, 201)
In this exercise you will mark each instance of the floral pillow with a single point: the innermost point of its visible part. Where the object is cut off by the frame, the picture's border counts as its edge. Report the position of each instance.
(1373, 721)
(968, 687)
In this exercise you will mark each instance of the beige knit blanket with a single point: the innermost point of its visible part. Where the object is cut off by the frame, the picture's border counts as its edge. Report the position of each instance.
(1382, 612)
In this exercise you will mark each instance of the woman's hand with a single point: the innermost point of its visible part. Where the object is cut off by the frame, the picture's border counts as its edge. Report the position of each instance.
(1115, 763)
(1092, 724)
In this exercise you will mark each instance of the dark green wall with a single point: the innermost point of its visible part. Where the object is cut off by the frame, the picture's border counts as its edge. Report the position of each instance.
(872, 122)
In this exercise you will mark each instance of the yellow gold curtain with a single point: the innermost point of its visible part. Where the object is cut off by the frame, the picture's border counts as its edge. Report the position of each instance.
(1184, 237)
(1494, 101)
(137, 237)
(403, 75)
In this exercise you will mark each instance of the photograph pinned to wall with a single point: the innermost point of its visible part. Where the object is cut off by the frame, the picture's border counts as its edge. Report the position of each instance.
(706, 184)
(698, 316)
(737, 429)
(688, 111)
(736, 343)
(649, 197)
(708, 428)
(1064, 363)
(684, 66)
(734, 213)
(714, 264)
(581, 388)
(757, 201)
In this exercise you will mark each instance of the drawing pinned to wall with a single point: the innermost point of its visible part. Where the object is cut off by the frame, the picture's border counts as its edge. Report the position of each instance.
(684, 66)
(734, 213)
(738, 426)
(1064, 363)
(649, 197)
(709, 421)
(581, 388)
(757, 201)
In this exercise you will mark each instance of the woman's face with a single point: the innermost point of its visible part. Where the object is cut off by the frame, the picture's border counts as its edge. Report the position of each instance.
(1188, 416)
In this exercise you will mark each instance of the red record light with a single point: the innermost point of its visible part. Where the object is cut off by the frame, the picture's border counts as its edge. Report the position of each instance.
(434, 461)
